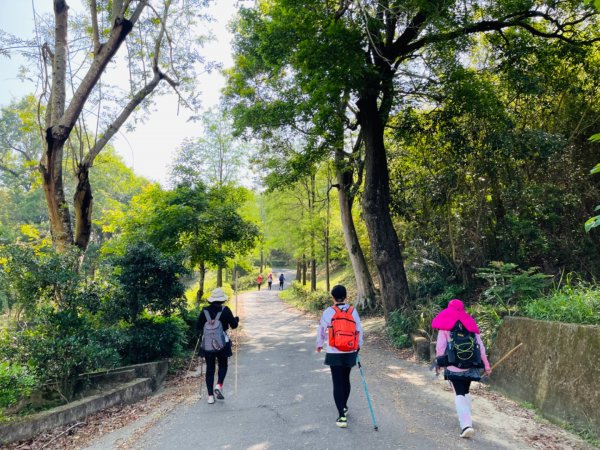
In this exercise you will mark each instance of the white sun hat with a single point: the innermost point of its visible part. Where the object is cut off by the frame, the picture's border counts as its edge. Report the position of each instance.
(217, 296)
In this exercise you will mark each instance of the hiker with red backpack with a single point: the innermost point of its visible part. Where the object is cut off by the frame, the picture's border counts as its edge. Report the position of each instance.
(460, 350)
(340, 324)
(213, 323)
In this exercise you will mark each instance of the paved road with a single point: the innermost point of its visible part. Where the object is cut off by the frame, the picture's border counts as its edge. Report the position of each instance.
(283, 398)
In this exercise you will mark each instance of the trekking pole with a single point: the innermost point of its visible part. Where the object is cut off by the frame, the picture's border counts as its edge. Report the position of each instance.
(193, 355)
(506, 356)
(484, 379)
(236, 332)
(362, 375)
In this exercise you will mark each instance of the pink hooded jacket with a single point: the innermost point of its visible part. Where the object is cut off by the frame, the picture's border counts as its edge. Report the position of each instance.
(446, 320)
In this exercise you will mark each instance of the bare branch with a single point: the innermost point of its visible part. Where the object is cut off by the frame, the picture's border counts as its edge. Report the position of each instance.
(95, 32)
(121, 118)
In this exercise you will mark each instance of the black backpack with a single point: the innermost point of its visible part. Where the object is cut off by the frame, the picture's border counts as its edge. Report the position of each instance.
(463, 350)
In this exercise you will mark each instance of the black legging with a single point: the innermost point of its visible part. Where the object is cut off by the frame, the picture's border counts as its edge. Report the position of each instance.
(211, 361)
(461, 387)
(341, 386)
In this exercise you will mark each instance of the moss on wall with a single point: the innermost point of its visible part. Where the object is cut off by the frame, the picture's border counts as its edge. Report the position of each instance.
(557, 369)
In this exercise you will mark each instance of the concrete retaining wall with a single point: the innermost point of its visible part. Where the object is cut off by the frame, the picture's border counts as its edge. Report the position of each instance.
(557, 369)
(149, 378)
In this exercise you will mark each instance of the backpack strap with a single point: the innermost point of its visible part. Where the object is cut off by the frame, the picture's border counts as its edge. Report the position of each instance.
(207, 315)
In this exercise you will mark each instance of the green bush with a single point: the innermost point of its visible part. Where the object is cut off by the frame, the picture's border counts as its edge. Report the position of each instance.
(58, 347)
(303, 299)
(153, 338)
(488, 320)
(399, 328)
(580, 304)
(16, 381)
(190, 317)
(509, 286)
(147, 280)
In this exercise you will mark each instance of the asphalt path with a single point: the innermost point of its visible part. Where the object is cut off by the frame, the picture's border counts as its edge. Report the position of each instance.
(278, 395)
(284, 396)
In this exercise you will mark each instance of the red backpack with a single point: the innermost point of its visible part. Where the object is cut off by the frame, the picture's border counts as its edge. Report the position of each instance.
(342, 331)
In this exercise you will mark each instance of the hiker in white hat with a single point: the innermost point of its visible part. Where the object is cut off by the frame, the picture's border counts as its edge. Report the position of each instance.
(213, 323)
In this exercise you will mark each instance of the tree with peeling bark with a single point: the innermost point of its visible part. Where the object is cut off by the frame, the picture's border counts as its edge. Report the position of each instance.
(85, 106)
(377, 53)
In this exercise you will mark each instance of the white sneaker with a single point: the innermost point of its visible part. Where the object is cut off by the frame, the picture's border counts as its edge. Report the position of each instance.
(211, 399)
(468, 432)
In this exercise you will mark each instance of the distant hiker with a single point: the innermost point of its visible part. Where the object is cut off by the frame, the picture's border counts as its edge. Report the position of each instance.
(259, 280)
(215, 346)
(460, 350)
(281, 280)
(270, 279)
(340, 323)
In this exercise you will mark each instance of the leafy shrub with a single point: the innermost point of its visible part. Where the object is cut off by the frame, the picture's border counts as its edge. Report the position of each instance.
(59, 346)
(152, 338)
(429, 272)
(488, 320)
(450, 292)
(16, 381)
(424, 315)
(509, 285)
(400, 326)
(190, 317)
(148, 280)
(580, 304)
(303, 299)
(31, 276)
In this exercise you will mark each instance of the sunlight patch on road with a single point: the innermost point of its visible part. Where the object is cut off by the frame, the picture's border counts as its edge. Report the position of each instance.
(397, 373)
(261, 446)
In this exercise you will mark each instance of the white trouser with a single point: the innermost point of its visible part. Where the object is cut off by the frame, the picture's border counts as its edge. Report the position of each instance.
(463, 409)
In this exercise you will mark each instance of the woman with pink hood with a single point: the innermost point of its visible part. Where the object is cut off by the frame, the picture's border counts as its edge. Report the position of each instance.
(460, 378)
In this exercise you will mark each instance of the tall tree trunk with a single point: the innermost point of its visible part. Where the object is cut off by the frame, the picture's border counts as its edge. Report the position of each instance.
(60, 121)
(385, 246)
(200, 293)
(303, 270)
(313, 234)
(261, 260)
(220, 276)
(52, 181)
(327, 227)
(366, 296)
(298, 270)
(82, 205)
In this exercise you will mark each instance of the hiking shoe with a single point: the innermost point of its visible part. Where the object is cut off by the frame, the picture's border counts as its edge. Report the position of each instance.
(211, 399)
(467, 432)
(219, 392)
(342, 422)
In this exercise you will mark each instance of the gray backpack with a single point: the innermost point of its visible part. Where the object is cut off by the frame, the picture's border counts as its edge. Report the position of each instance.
(213, 336)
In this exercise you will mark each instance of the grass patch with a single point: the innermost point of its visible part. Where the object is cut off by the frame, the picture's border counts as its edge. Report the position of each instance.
(570, 304)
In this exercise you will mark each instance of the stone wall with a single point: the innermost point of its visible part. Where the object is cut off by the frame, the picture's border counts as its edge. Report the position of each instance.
(557, 369)
(149, 377)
